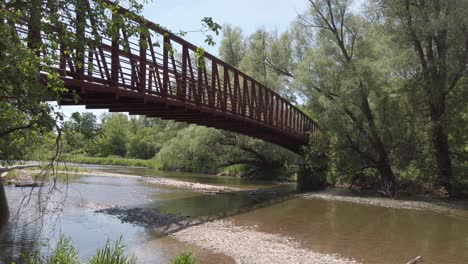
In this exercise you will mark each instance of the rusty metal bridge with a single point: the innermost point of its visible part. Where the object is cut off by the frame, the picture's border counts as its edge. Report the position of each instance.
(158, 74)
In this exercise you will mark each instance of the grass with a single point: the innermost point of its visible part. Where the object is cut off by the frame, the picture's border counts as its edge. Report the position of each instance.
(60, 168)
(66, 253)
(112, 255)
(112, 160)
(184, 258)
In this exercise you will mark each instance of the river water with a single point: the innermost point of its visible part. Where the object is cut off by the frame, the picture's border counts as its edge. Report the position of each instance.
(369, 234)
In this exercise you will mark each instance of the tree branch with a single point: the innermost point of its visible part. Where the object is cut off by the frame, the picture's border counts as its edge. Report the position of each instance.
(278, 70)
(11, 130)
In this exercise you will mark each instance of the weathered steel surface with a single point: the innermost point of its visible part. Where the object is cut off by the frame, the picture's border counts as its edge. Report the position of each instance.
(141, 74)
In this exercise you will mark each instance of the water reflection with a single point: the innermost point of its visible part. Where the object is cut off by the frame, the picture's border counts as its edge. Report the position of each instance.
(375, 234)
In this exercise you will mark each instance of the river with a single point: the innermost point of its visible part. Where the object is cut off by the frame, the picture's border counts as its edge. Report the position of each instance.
(368, 234)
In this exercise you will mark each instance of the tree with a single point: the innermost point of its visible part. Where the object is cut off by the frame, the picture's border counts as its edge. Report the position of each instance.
(144, 143)
(85, 123)
(342, 71)
(115, 135)
(437, 34)
(190, 150)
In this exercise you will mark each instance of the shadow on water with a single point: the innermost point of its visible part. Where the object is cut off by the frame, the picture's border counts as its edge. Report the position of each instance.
(176, 214)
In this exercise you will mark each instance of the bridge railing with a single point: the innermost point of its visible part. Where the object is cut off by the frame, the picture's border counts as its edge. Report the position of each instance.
(157, 62)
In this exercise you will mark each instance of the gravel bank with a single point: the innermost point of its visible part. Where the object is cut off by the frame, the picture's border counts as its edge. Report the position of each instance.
(190, 185)
(433, 205)
(246, 245)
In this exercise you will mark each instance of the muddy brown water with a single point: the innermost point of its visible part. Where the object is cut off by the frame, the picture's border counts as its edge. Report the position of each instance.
(369, 234)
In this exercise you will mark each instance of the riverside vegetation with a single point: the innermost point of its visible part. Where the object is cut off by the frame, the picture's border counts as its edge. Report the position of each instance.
(64, 252)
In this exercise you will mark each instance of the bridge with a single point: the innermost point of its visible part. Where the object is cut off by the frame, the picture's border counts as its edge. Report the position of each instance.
(159, 74)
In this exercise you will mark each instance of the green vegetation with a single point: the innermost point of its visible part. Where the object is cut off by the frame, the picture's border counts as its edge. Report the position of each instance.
(138, 141)
(65, 253)
(111, 160)
(385, 83)
(184, 258)
(114, 255)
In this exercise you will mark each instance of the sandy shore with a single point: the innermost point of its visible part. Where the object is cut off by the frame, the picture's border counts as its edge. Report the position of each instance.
(246, 245)
(190, 185)
(431, 204)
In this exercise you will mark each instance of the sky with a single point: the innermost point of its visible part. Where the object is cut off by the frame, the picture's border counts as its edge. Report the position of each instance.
(186, 15)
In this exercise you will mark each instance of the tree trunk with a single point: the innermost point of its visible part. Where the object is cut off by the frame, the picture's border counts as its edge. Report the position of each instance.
(437, 106)
(4, 211)
(442, 155)
(388, 178)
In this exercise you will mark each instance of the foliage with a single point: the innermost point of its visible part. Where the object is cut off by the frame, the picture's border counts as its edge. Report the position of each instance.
(184, 258)
(112, 160)
(435, 34)
(360, 74)
(115, 135)
(143, 144)
(65, 253)
(173, 146)
(112, 255)
(24, 115)
(190, 150)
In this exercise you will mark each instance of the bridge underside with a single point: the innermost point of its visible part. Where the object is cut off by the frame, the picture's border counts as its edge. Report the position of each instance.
(115, 99)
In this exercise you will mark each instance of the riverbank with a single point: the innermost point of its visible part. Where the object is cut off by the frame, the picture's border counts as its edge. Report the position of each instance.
(28, 178)
(189, 185)
(412, 203)
(113, 160)
(246, 245)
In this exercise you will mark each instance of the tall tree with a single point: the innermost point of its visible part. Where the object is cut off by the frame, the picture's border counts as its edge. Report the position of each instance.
(343, 73)
(437, 33)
